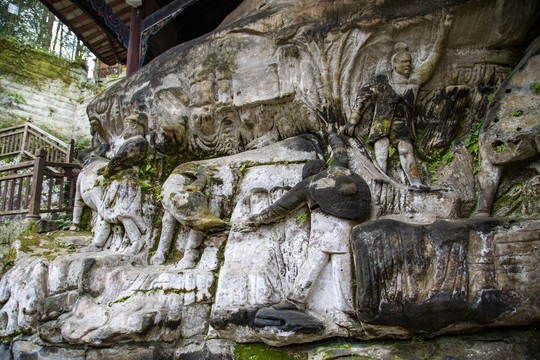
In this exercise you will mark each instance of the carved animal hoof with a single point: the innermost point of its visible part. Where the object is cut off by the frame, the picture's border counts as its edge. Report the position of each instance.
(188, 261)
(157, 259)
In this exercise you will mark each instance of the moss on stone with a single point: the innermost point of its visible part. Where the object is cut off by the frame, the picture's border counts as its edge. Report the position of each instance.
(24, 64)
(519, 201)
(264, 352)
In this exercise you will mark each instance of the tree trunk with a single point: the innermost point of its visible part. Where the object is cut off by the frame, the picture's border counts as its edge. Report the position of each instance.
(61, 39)
(53, 50)
(48, 28)
(80, 47)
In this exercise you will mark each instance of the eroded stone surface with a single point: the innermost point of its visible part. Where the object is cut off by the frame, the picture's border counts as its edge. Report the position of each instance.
(222, 117)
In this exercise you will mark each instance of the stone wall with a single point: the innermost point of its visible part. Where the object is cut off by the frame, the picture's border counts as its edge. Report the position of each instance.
(35, 85)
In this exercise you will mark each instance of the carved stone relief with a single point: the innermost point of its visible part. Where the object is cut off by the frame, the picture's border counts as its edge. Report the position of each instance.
(305, 173)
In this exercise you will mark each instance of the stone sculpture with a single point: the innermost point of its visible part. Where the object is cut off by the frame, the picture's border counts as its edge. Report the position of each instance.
(511, 132)
(110, 187)
(187, 205)
(394, 95)
(357, 249)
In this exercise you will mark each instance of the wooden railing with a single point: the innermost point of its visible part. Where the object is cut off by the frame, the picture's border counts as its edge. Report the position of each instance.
(37, 186)
(26, 139)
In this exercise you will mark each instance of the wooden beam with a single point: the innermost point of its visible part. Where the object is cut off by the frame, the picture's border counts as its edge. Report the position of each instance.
(76, 31)
(165, 11)
(89, 10)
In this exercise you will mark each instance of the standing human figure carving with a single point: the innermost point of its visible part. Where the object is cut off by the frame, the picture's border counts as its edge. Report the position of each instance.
(394, 94)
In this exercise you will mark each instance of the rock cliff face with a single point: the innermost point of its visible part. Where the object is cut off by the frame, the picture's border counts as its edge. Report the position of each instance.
(226, 201)
(43, 88)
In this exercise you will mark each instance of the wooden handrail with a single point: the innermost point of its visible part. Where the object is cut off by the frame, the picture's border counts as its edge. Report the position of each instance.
(63, 165)
(11, 128)
(44, 133)
(23, 165)
(12, 133)
(38, 191)
(16, 139)
(49, 142)
(15, 176)
(51, 172)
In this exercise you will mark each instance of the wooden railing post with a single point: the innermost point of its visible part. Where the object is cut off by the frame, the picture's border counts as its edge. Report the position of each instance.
(70, 151)
(37, 186)
(24, 138)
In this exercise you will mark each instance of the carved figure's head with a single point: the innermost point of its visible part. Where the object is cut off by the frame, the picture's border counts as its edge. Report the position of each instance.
(134, 125)
(402, 60)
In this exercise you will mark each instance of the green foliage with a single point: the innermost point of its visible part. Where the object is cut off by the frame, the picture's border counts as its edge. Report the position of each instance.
(417, 340)
(18, 99)
(80, 145)
(241, 170)
(392, 151)
(499, 148)
(33, 25)
(489, 97)
(97, 88)
(535, 86)
(471, 142)
(8, 120)
(63, 219)
(435, 160)
(159, 195)
(517, 113)
(519, 201)
(301, 219)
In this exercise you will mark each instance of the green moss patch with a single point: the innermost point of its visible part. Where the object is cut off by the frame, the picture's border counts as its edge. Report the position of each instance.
(26, 65)
(265, 352)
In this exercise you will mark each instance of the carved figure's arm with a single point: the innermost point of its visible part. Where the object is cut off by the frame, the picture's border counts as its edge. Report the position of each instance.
(425, 71)
(289, 202)
(365, 95)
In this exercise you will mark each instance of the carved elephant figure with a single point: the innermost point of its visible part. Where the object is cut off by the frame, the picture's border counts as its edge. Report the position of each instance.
(117, 201)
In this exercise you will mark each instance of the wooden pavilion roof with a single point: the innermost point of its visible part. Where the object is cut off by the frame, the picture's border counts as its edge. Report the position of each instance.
(102, 25)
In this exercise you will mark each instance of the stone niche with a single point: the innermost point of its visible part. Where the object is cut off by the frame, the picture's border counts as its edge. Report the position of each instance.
(310, 170)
